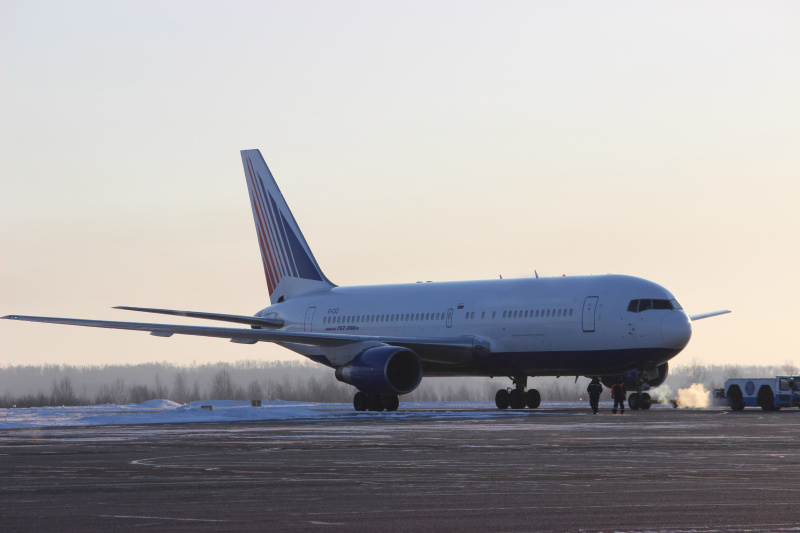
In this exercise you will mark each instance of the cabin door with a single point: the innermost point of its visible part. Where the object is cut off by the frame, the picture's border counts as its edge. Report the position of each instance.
(307, 323)
(589, 308)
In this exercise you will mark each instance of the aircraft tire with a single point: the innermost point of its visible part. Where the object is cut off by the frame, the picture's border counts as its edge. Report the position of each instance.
(375, 403)
(360, 401)
(645, 401)
(517, 399)
(391, 403)
(735, 399)
(533, 398)
(502, 399)
(633, 401)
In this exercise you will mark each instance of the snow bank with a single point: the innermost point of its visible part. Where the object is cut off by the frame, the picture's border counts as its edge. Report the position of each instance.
(168, 412)
(159, 412)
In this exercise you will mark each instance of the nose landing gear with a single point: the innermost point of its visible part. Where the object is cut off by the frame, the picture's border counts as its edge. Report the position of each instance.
(518, 397)
(639, 399)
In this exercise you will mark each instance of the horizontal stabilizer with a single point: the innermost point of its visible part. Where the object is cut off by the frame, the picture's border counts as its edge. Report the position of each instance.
(239, 319)
(708, 315)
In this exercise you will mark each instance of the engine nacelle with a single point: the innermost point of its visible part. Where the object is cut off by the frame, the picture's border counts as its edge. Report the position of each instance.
(386, 370)
(655, 377)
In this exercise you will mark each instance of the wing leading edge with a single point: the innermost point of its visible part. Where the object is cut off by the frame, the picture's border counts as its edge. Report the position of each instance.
(445, 350)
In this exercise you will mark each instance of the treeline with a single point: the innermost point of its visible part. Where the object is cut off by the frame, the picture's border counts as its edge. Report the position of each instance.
(56, 385)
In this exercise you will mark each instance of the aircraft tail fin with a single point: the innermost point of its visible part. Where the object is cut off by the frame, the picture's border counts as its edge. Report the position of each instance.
(289, 265)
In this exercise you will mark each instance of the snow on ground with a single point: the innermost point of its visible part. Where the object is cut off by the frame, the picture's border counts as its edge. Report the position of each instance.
(168, 412)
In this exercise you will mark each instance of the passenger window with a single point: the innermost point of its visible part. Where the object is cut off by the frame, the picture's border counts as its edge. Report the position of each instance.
(548, 312)
(504, 314)
(483, 315)
(570, 312)
(537, 313)
(494, 313)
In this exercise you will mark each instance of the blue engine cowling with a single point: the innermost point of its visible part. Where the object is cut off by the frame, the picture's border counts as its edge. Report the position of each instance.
(655, 377)
(384, 370)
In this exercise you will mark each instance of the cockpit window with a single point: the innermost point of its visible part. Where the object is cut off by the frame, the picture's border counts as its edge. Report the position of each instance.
(662, 304)
(645, 304)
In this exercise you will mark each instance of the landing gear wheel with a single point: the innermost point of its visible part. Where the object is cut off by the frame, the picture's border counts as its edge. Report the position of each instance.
(735, 399)
(634, 402)
(375, 403)
(517, 399)
(360, 401)
(532, 398)
(645, 401)
(502, 399)
(391, 403)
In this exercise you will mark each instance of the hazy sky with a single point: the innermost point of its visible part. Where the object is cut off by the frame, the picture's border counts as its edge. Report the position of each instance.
(412, 140)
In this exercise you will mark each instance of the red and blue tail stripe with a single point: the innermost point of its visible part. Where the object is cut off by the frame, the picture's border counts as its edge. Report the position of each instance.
(284, 251)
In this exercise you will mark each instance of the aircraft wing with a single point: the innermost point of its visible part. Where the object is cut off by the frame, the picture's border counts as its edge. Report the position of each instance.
(707, 315)
(444, 350)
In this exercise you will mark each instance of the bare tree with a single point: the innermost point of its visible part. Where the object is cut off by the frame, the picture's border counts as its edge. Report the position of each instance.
(180, 390)
(115, 393)
(63, 394)
(254, 391)
(790, 368)
(141, 393)
(695, 372)
(161, 392)
(222, 385)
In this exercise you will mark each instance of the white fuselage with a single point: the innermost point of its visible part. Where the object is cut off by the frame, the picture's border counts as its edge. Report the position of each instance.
(534, 326)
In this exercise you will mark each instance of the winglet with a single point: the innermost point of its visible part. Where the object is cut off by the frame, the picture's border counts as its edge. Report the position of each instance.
(708, 315)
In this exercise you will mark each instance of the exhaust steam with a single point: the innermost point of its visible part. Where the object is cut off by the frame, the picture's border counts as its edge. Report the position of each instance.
(694, 397)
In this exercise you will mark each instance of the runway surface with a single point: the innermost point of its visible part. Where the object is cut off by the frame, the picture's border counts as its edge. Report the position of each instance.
(427, 470)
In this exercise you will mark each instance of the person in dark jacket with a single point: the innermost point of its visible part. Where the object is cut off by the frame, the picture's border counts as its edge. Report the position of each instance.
(595, 389)
(618, 392)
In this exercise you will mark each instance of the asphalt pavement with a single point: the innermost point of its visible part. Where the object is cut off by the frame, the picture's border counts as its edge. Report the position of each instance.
(549, 470)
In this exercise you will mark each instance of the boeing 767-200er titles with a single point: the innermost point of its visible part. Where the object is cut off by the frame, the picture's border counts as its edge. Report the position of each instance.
(382, 339)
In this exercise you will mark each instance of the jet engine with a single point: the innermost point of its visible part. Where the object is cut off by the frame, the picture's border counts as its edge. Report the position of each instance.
(384, 370)
(655, 377)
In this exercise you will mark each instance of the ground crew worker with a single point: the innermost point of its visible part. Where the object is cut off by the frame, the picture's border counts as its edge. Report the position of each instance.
(618, 392)
(595, 390)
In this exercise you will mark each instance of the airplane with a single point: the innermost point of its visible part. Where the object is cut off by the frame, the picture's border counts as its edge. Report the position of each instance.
(382, 339)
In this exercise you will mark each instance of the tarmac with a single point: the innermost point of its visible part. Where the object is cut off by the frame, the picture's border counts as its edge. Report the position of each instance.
(661, 470)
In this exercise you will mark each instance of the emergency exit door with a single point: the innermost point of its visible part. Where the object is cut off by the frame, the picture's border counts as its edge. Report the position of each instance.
(589, 309)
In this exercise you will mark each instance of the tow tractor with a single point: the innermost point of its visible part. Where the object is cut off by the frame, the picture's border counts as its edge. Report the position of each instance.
(770, 394)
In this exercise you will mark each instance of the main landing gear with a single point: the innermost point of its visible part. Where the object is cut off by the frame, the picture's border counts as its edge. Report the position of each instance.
(518, 397)
(364, 401)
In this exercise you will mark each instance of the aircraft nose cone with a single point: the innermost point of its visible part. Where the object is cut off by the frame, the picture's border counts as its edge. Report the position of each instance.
(676, 330)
